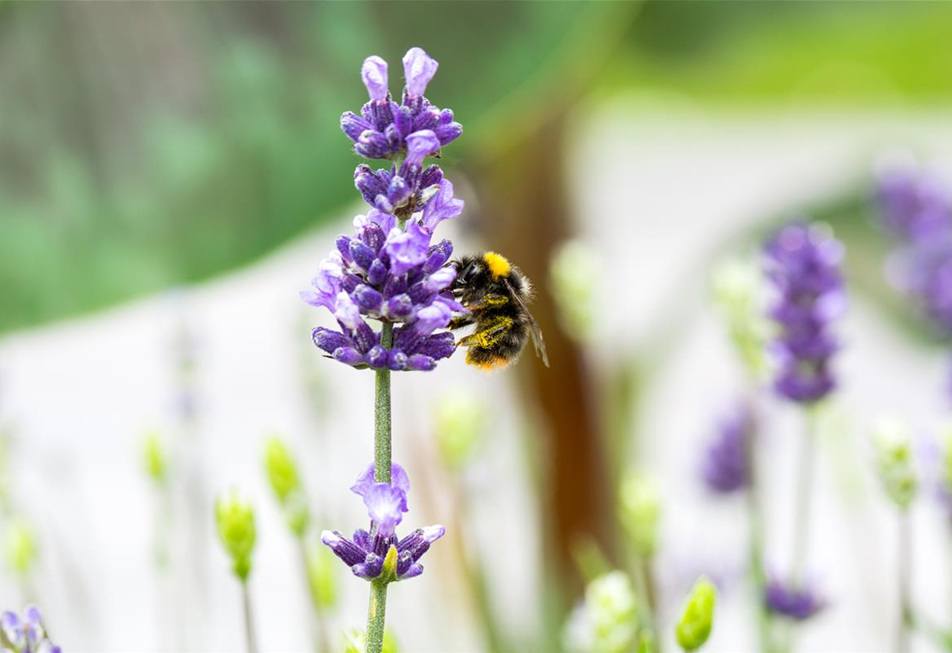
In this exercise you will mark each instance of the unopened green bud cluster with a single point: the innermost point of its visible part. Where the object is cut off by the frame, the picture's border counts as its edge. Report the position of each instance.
(236, 529)
(640, 513)
(573, 272)
(737, 294)
(894, 462)
(284, 479)
(460, 424)
(20, 547)
(612, 607)
(154, 458)
(697, 617)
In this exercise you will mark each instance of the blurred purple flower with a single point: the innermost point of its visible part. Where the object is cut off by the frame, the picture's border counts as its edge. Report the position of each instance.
(803, 263)
(916, 209)
(366, 551)
(797, 602)
(384, 129)
(27, 634)
(726, 467)
(914, 206)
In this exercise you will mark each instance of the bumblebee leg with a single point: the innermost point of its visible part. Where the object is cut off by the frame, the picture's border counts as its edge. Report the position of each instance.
(459, 322)
(490, 300)
(490, 333)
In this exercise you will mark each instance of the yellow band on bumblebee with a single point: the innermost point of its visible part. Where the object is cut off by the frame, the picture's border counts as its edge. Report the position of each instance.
(497, 263)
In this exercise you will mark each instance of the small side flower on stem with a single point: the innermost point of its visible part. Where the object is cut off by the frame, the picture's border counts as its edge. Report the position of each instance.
(236, 529)
(378, 554)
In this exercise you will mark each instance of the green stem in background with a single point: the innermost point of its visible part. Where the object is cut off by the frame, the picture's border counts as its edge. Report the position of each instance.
(319, 630)
(640, 571)
(377, 612)
(904, 569)
(756, 533)
(250, 639)
(804, 498)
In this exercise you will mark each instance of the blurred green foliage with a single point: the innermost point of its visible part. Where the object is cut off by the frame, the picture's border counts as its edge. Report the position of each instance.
(144, 146)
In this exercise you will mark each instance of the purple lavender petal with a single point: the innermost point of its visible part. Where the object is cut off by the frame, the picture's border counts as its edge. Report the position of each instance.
(418, 69)
(348, 355)
(407, 249)
(431, 318)
(399, 306)
(374, 75)
(343, 548)
(397, 360)
(443, 206)
(328, 340)
(353, 125)
(365, 481)
(373, 145)
(438, 346)
(385, 505)
(420, 144)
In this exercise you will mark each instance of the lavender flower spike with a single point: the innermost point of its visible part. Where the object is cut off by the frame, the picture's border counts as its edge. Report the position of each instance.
(390, 269)
(726, 466)
(803, 262)
(367, 551)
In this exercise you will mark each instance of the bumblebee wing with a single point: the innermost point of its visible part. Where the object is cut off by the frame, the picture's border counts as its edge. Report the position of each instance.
(533, 325)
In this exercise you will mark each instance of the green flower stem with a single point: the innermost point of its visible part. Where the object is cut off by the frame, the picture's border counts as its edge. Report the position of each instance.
(804, 498)
(756, 535)
(250, 639)
(376, 616)
(641, 568)
(904, 569)
(382, 455)
(377, 612)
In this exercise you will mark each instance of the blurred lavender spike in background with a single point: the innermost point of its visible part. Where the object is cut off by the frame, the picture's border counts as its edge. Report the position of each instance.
(916, 208)
(726, 465)
(913, 204)
(803, 263)
(796, 602)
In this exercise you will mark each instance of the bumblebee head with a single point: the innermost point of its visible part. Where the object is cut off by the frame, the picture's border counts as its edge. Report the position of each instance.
(479, 270)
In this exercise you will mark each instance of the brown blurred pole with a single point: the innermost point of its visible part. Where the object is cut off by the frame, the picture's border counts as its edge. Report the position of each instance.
(524, 216)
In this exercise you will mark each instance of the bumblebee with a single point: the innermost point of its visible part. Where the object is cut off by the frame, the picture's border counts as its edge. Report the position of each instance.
(496, 293)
